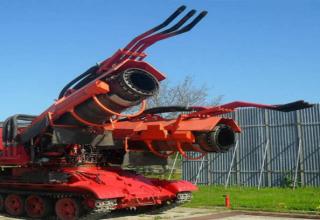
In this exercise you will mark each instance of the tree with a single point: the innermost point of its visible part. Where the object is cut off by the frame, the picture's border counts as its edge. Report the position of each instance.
(185, 93)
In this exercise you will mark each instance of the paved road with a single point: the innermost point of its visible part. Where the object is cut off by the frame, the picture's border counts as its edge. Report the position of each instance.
(191, 214)
(209, 214)
(250, 217)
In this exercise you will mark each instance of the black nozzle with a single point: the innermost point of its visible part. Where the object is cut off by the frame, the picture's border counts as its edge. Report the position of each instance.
(220, 140)
(139, 82)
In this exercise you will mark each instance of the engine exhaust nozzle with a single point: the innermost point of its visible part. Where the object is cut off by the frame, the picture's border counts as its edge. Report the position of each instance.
(127, 88)
(134, 85)
(221, 139)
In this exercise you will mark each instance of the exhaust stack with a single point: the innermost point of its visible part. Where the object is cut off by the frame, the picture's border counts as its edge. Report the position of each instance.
(127, 89)
(220, 140)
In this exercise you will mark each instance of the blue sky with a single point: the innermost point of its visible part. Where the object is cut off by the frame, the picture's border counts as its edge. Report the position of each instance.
(259, 51)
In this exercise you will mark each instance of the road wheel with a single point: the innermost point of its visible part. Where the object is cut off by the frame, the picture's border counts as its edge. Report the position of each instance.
(37, 206)
(67, 209)
(14, 205)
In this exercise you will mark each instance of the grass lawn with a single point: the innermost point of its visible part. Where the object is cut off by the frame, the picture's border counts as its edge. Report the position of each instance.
(265, 199)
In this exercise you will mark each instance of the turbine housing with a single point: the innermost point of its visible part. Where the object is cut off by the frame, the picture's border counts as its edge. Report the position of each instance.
(127, 88)
(220, 140)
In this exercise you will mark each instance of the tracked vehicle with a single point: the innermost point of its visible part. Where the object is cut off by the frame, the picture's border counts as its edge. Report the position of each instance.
(66, 161)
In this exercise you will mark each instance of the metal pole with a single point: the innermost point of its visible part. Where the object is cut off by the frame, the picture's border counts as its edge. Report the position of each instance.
(262, 165)
(200, 169)
(268, 156)
(231, 164)
(173, 166)
(301, 156)
(297, 164)
(238, 174)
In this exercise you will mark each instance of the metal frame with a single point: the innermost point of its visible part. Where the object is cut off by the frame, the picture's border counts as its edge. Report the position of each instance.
(231, 164)
(263, 163)
(297, 164)
(199, 171)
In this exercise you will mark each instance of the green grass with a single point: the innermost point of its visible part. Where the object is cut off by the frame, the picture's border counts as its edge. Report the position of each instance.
(174, 176)
(265, 199)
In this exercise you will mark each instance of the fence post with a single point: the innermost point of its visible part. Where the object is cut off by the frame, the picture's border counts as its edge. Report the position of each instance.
(268, 165)
(236, 116)
(301, 155)
(173, 166)
(200, 169)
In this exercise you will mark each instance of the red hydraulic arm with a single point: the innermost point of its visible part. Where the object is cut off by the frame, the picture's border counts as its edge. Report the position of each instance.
(98, 96)
(202, 130)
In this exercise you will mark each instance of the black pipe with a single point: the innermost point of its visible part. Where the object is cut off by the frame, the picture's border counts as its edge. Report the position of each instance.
(158, 27)
(10, 128)
(89, 72)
